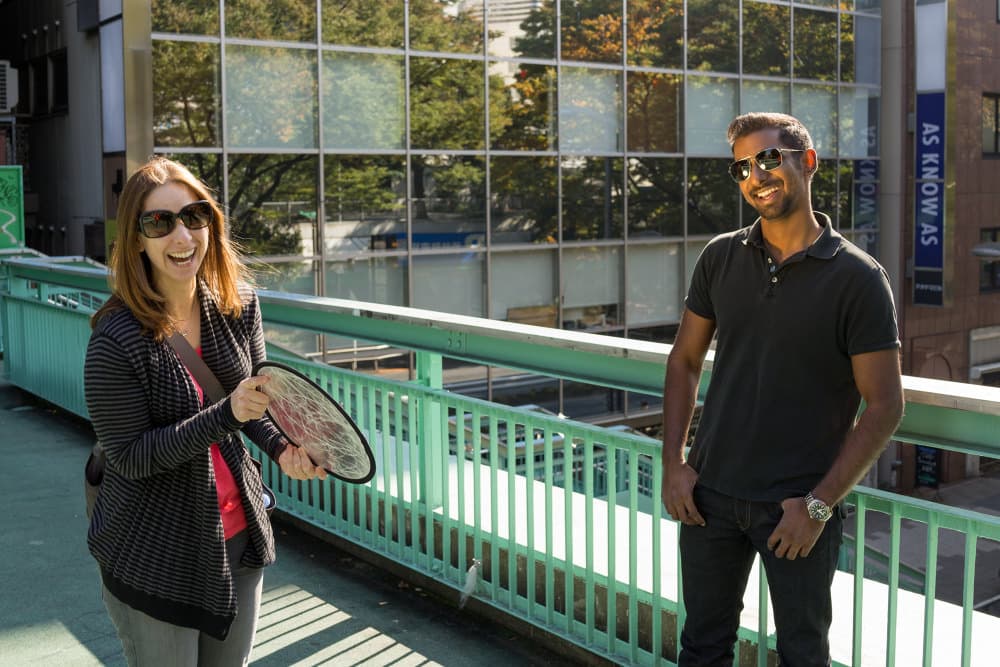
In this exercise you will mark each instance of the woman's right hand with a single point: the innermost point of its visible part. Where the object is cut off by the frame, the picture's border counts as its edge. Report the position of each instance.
(246, 401)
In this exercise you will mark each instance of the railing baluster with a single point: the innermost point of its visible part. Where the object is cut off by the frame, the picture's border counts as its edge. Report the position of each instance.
(859, 575)
(968, 590)
(890, 649)
(930, 588)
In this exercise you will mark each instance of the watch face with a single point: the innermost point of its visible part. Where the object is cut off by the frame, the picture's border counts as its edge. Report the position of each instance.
(818, 510)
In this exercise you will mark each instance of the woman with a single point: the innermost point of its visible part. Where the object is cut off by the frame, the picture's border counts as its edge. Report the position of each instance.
(179, 529)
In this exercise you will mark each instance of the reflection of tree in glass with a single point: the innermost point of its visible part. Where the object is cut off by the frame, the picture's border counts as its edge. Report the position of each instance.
(592, 30)
(442, 25)
(363, 22)
(656, 33)
(712, 197)
(186, 103)
(524, 199)
(815, 38)
(361, 186)
(656, 196)
(592, 199)
(198, 17)
(765, 39)
(713, 35)
(258, 179)
(288, 20)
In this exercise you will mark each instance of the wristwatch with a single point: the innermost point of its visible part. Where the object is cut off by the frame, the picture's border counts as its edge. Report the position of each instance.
(817, 509)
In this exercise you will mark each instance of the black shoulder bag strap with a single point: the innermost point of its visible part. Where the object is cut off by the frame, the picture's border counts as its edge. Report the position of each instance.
(202, 373)
(213, 389)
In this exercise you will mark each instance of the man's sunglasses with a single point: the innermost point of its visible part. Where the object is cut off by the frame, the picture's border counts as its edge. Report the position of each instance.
(768, 160)
(156, 224)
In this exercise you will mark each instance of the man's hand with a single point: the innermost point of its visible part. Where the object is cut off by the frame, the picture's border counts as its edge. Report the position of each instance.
(296, 464)
(678, 496)
(796, 532)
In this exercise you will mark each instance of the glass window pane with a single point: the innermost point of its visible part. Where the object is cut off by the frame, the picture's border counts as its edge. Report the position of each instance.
(524, 195)
(766, 30)
(859, 111)
(206, 166)
(592, 30)
(815, 45)
(284, 117)
(365, 204)
(446, 103)
(713, 35)
(193, 17)
(765, 96)
(590, 110)
(296, 277)
(820, 3)
(374, 279)
(363, 101)
(824, 190)
(522, 106)
(272, 203)
(363, 22)
(816, 107)
(523, 28)
(655, 197)
(283, 20)
(524, 287)
(654, 283)
(446, 26)
(592, 199)
(860, 49)
(186, 97)
(654, 112)
(450, 283)
(692, 250)
(709, 107)
(859, 180)
(449, 207)
(656, 33)
(713, 199)
(591, 287)
(990, 124)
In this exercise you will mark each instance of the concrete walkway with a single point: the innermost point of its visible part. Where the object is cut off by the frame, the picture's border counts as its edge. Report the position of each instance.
(321, 606)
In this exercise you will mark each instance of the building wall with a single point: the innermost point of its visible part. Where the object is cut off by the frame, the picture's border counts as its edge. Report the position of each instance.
(63, 180)
(938, 335)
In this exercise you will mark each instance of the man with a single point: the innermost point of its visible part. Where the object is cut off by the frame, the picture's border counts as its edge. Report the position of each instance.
(806, 328)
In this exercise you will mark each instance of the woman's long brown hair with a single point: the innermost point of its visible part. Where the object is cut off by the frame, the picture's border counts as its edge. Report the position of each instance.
(131, 273)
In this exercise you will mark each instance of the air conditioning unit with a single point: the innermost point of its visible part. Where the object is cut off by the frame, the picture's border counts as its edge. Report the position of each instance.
(8, 87)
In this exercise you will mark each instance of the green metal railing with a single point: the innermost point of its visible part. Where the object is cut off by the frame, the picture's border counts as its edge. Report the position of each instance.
(563, 516)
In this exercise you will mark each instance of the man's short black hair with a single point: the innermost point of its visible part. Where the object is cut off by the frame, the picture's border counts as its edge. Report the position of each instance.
(793, 133)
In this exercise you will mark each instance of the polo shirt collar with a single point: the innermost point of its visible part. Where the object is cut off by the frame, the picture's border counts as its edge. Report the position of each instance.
(825, 247)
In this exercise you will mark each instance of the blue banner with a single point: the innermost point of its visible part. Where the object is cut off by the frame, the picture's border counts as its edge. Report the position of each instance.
(928, 237)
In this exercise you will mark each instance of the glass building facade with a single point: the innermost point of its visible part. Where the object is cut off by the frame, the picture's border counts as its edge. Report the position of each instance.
(553, 162)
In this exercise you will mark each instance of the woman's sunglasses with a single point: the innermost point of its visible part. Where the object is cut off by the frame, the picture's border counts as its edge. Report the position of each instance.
(156, 224)
(768, 160)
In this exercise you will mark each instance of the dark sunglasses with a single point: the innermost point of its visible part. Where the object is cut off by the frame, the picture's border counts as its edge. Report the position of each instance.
(768, 160)
(196, 215)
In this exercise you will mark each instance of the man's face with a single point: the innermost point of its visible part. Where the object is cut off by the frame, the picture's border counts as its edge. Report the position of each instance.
(780, 192)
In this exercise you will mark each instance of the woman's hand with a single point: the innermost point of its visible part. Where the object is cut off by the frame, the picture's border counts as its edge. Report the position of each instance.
(246, 402)
(296, 464)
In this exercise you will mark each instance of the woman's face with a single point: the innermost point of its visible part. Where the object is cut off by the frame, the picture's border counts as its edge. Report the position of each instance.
(176, 257)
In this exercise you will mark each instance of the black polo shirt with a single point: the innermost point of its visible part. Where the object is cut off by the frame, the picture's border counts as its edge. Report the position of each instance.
(782, 396)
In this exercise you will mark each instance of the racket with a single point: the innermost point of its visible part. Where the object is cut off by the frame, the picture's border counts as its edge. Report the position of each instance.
(311, 419)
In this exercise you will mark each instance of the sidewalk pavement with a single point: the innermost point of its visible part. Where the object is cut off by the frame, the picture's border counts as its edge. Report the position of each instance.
(320, 606)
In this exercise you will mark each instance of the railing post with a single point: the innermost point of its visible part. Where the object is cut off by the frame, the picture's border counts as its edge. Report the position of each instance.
(429, 374)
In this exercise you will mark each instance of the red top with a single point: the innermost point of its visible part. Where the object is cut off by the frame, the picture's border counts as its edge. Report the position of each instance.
(230, 502)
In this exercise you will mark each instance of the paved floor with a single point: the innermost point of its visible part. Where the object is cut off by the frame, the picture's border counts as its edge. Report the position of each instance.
(321, 606)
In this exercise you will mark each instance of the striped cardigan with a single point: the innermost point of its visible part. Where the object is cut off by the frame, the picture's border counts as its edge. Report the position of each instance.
(156, 531)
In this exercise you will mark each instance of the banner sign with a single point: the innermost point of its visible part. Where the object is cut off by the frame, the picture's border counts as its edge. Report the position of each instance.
(11, 207)
(865, 205)
(928, 238)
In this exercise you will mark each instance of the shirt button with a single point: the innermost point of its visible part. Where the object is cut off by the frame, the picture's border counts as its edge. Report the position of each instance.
(774, 279)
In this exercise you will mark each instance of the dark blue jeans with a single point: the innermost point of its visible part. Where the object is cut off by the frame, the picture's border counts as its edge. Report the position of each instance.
(715, 564)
